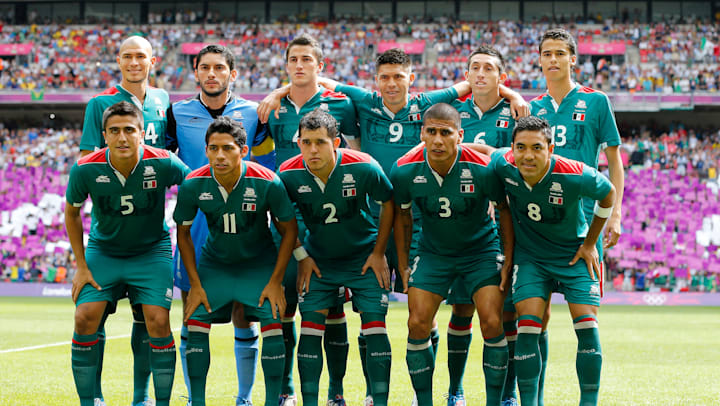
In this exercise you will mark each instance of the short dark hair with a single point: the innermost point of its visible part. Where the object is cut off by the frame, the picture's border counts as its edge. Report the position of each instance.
(226, 125)
(123, 108)
(444, 112)
(305, 39)
(562, 35)
(532, 123)
(317, 119)
(488, 50)
(394, 56)
(217, 49)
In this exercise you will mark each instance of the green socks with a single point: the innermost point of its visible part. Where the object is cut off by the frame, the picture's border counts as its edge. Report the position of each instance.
(336, 350)
(362, 348)
(510, 328)
(378, 356)
(197, 356)
(588, 362)
(459, 337)
(162, 364)
(543, 345)
(84, 354)
(495, 359)
(290, 340)
(140, 344)
(310, 357)
(421, 365)
(272, 359)
(527, 358)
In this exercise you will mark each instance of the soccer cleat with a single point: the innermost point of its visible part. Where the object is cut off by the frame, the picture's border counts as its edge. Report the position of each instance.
(338, 401)
(288, 400)
(457, 399)
(369, 401)
(146, 402)
(510, 402)
(243, 402)
(414, 401)
(99, 402)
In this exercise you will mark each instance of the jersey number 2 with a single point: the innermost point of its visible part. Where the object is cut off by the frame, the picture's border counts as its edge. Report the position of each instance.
(331, 217)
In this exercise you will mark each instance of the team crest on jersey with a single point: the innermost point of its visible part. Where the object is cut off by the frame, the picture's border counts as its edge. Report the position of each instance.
(150, 184)
(349, 192)
(250, 192)
(414, 108)
(102, 179)
(158, 101)
(556, 196)
(467, 188)
(282, 110)
(556, 187)
(578, 116)
(324, 107)
(169, 293)
(205, 196)
(348, 178)
(505, 111)
(581, 104)
(149, 171)
(384, 299)
(304, 189)
(542, 112)
(466, 174)
(510, 181)
(420, 179)
(464, 114)
(249, 207)
(376, 110)
(237, 115)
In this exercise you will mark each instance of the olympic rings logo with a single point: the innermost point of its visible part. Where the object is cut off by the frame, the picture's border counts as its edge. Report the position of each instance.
(654, 300)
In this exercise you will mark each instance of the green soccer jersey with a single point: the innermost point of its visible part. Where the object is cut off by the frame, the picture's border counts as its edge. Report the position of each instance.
(453, 208)
(284, 130)
(387, 136)
(338, 211)
(153, 108)
(127, 214)
(548, 218)
(237, 221)
(493, 127)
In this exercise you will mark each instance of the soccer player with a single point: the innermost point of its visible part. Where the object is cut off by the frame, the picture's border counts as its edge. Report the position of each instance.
(239, 261)
(188, 121)
(486, 119)
(135, 60)
(553, 243)
(452, 187)
(128, 247)
(583, 123)
(303, 62)
(331, 187)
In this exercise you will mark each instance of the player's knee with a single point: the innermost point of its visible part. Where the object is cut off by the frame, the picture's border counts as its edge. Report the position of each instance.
(86, 320)
(491, 323)
(419, 327)
(463, 310)
(158, 322)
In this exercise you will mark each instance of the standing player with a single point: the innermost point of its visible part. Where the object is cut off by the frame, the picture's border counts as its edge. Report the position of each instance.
(188, 121)
(239, 262)
(553, 244)
(583, 123)
(331, 188)
(303, 62)
(452, 187)
(135, 60)
(128, 248)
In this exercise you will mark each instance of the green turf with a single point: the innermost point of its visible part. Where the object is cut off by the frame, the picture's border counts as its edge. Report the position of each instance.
(652, 356)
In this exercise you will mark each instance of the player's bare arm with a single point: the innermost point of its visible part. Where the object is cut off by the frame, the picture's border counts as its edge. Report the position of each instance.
(377, 260)
(196, 295)
(306, 267)
(74, 227)
(588, 250)
(274, 290)
(272, 102)
(617, 178)
(481, 148)
(507, 233)
(518, 106)
(402, 231)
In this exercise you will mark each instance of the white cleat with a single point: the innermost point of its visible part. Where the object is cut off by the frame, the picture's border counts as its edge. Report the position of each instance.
(287, 400)
(414, 402)
(369, 401)
(99, 402)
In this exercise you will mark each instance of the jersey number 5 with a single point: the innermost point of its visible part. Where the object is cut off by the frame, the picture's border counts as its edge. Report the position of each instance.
(127, 205)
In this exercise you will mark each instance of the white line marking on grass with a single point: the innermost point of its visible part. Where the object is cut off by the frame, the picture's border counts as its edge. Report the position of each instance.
(38, 347)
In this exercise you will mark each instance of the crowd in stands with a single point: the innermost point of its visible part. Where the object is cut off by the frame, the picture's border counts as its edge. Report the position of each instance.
(661, 57)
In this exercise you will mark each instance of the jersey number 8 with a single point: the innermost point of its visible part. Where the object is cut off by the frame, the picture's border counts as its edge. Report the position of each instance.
(534, 212)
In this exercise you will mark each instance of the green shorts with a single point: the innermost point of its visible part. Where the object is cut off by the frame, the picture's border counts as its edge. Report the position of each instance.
(533, 279)
(146, 278)
(392, 258)
(290, 279)
(228, 283)
(437, 273)
(459, 294)
(367, 295)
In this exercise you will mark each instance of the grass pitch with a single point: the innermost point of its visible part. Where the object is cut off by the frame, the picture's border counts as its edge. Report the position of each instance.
(652, 356)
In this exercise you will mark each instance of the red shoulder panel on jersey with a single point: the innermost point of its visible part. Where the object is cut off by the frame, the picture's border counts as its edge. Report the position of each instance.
(201, 172)
(150, 152)
(97, 157)
(466, 97)
(585, 89)
(540, 97)
(255, 170)
(350, 156)
(472, 156)
(108, 92)
(413, 156)
(567, 166)
(510, 158)
(293, 163)
(334, 95)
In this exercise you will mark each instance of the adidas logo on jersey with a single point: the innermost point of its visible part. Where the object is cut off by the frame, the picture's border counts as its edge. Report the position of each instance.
(348, 178)
(149, 171)
(304, 189)
(464, 114)
(102, 179)
(249, 192)
(510, 181)
(282, 110)
(237, 115)
(205, 196)
(581, 104)
(542, 112)
(376, 110)
(420, 179)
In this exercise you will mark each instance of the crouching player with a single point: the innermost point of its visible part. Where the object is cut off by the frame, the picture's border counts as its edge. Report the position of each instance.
(331, 187)
(553, 243)
(128, 247)
(452, 187)
(239, 262)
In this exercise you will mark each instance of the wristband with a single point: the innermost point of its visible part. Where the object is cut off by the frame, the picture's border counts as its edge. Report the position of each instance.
(603, 212)
(300, 253)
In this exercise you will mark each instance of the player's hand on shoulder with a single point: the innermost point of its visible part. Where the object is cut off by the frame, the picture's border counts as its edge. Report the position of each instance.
(196, 297)
(519, 108)
(274, 293)
(82, 277)
(378, 264)
(272, 102)
(306, 268)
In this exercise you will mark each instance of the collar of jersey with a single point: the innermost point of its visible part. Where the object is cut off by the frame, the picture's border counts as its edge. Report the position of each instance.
(572, 91)
(199, 97)
(134, 99)
(315, 96)
(119, 175)
(477, 109)
(222, 190)
(390, 113)
(319, 181)
(436, 175)
(545, 177)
